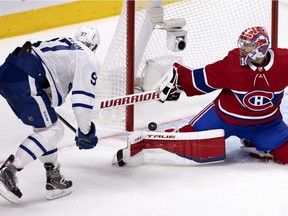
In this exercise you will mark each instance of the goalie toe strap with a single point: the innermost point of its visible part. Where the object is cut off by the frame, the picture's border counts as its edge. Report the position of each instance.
(253, 151)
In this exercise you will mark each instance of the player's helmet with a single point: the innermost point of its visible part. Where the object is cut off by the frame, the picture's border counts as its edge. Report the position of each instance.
(88, 36)
(254, 36)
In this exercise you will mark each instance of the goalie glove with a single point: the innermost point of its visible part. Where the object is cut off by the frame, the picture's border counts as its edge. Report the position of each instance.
(87, 141)
(170, 90)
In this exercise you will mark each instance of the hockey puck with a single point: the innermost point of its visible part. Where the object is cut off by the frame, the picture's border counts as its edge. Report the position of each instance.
(152, 126)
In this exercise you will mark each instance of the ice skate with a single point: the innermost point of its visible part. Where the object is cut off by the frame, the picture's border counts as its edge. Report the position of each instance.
(8, 181)
(249, 147)
(56, 184)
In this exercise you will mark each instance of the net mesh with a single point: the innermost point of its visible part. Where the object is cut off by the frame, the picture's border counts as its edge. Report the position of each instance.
(213, 29)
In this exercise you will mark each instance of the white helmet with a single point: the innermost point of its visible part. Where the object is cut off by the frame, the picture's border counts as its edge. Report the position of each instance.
(88, 36)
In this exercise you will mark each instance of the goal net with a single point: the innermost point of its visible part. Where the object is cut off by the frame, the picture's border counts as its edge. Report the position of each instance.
(213, 28)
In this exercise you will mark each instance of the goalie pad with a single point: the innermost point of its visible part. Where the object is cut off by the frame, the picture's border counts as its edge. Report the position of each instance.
(200, 147)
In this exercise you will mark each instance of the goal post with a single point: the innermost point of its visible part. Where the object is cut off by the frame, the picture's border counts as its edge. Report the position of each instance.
(129, 122)
(274, 23)
(210, 30)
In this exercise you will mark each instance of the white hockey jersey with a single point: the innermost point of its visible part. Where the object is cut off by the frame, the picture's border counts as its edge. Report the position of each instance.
(70, 66)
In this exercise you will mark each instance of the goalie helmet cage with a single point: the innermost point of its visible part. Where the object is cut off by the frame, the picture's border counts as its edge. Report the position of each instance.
(213, 28)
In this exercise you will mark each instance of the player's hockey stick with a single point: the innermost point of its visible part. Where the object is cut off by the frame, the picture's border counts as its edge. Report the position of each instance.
(66, 123)
(130, 99)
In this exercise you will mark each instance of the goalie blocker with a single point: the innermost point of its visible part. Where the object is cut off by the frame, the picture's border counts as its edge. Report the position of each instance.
(201, 147)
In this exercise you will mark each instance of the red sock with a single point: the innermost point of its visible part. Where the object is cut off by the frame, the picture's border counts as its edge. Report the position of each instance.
(280, 154)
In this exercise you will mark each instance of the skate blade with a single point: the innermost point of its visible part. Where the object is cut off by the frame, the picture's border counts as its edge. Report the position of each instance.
(58, 193)
(6, 194)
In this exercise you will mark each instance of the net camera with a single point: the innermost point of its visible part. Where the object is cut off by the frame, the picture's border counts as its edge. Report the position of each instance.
(176, 40)
(176, 35)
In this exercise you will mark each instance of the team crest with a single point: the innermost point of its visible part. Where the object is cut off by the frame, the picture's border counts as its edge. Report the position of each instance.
(258, 100)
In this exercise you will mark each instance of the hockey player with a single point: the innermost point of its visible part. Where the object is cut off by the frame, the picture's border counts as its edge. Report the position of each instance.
(36, 78)
(250, 97)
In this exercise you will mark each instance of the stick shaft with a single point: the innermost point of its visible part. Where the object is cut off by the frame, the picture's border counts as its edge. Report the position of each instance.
(66, 123)
(130, 99)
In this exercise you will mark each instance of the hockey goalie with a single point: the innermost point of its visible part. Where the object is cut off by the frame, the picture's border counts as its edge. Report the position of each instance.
(252, 79)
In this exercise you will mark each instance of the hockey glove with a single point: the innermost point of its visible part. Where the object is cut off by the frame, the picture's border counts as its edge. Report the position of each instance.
(168, 87)
(87, 141)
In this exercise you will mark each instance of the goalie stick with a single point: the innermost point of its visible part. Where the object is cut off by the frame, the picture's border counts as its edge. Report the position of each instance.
(141, 97)
(130, 99)
(120, 101)
(164, 87)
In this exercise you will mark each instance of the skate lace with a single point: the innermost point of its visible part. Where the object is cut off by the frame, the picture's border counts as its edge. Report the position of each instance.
(10, 176)
(62, 180)
(56, 175)
(14, 180)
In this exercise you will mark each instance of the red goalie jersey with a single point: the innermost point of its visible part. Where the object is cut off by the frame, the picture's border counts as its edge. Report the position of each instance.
(250, 94)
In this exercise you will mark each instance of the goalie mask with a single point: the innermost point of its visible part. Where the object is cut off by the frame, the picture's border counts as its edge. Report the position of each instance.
(88, 36)
(255, 39)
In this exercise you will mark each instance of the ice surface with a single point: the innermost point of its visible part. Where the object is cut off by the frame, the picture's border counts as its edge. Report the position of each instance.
(239, 186)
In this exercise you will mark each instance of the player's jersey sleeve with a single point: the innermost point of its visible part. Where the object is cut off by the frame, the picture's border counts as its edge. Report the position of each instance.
(83, 90)
(204, 80)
